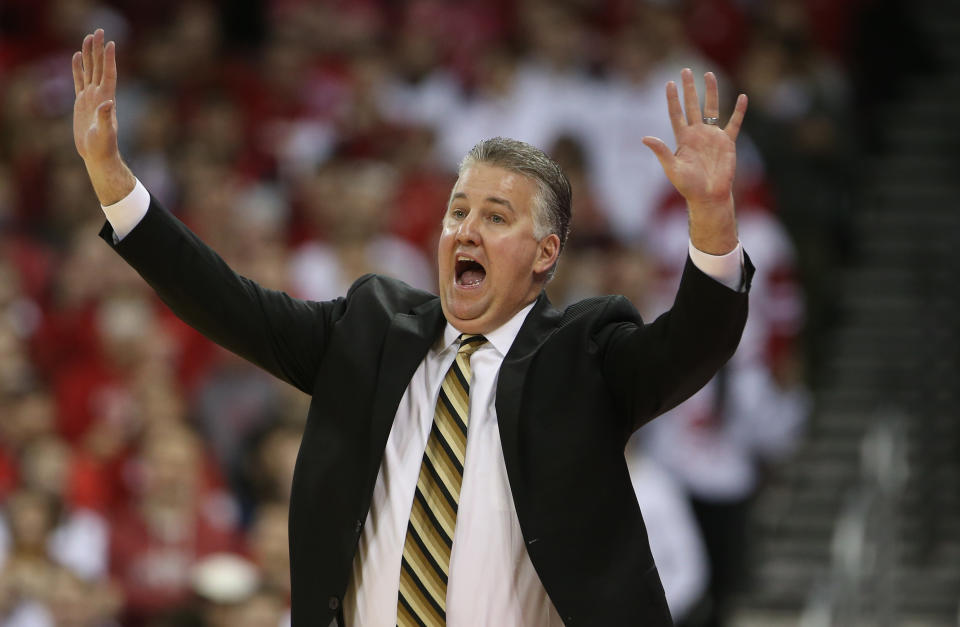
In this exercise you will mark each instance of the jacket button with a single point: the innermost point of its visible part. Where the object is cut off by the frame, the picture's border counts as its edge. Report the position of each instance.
(333, 603)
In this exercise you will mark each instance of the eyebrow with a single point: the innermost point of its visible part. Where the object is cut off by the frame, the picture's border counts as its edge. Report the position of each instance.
(494, 199)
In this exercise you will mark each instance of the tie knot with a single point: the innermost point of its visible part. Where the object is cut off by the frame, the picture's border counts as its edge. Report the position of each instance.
(470, 343)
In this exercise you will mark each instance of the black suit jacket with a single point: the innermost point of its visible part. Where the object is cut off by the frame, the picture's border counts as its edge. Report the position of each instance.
(572, 389)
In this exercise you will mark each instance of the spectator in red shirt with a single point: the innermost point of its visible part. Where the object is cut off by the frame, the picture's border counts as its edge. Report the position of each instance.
(172, 522)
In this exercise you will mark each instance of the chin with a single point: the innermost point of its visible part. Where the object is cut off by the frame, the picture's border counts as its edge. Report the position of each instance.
(461, 316)
(465, 318)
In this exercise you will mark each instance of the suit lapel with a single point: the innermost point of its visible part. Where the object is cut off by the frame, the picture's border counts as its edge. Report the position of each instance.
(408, 339)
(540, 323)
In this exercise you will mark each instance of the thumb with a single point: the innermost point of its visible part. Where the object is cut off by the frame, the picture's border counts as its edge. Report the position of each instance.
(104, 111)
(660, 149)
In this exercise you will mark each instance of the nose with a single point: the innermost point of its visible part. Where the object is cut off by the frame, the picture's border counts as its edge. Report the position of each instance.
(468, 231)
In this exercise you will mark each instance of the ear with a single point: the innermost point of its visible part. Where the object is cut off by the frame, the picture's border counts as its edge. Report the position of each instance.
(547, 252)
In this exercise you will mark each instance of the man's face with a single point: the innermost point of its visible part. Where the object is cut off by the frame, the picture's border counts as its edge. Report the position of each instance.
(490, 262)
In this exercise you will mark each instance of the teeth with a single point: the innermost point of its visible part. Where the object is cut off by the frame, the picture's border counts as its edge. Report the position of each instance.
(462, 258)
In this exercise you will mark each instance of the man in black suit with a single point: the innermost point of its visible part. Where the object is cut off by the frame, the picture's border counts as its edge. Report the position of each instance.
(547, 527)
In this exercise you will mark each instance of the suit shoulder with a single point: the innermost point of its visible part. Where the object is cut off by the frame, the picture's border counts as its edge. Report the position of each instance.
(600, 310)
(392, 294)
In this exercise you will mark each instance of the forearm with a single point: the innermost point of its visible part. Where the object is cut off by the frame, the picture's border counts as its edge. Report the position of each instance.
(693, 340)
(283, 335)
(659, 365)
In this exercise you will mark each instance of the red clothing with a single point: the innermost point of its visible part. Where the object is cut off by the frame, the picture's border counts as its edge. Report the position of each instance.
(65, 338)
(9, 474)
(419, 203)
(195, 353)
(96, 484)
(155, 571)
(89, 392)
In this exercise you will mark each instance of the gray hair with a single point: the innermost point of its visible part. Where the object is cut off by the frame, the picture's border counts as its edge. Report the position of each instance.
(552, 204)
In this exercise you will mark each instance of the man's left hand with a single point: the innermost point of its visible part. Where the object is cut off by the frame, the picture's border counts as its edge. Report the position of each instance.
(703, 167)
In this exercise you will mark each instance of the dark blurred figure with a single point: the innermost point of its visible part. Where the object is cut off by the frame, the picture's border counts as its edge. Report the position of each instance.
(804, 127)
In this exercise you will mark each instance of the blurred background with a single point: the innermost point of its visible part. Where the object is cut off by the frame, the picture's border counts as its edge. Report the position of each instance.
(145, 473)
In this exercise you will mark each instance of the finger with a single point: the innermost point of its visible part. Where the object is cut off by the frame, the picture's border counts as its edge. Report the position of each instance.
(739, 110)
(77, 73)
(660, 149)
(97, 56)
(674, 109)
(110, 68)
(87, 52)
(711, 100)
(691, 102)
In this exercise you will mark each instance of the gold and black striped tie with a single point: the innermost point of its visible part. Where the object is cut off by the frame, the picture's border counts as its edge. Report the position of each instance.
(426, 550)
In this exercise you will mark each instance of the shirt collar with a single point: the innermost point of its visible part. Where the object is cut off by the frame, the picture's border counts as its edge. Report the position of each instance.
(500, 338)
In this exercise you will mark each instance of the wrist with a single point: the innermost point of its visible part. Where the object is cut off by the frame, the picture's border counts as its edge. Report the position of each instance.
(713, 226)
(714, 207)
(112, 180)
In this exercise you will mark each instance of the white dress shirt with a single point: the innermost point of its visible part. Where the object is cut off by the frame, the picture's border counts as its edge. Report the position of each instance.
(675, 539)
(492, 580)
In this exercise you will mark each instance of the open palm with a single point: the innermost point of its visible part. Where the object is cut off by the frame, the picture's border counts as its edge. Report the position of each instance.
(703, 167)
(94, 110)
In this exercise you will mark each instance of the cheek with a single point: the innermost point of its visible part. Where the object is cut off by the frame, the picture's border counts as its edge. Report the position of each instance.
(443, 248)
(516, 262)
(523, 255)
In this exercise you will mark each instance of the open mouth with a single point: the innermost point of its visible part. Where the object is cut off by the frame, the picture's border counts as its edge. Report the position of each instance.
(469, 272)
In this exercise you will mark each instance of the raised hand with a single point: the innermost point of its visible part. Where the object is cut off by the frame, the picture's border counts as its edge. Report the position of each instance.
(95, 118)
(704, 164)
(95, 86)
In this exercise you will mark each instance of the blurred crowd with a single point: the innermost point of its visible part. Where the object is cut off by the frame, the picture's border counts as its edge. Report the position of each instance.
(145, 473)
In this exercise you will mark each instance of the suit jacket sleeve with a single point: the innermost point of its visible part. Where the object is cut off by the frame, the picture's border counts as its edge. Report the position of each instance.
(652, 368)
(281, 334)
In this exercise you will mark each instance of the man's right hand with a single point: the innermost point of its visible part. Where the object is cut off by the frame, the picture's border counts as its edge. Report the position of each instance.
(95, 119)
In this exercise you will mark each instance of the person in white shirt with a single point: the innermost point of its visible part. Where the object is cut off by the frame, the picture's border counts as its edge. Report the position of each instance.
(674, 537)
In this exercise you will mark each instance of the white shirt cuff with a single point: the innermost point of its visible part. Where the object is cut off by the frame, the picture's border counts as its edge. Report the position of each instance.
(726, 269)
(125, 214)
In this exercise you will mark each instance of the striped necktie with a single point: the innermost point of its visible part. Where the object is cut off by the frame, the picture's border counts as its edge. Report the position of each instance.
(426, 550)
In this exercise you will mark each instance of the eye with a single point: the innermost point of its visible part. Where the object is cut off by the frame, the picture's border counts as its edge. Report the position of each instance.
(497, 219)
(458, 214)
